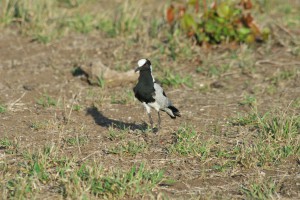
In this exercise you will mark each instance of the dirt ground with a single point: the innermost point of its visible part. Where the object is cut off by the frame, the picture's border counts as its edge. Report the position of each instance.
(30, 71)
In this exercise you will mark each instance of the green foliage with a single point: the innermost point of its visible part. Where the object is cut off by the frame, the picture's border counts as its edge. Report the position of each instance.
(223, 22)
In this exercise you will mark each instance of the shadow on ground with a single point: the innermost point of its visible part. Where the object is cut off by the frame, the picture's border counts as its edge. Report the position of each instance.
(103, 121)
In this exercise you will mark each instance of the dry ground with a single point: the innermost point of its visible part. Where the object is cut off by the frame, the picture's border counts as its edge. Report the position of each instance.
(46, 105)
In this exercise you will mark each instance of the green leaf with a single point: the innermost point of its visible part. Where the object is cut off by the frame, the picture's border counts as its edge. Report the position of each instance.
(223, 10)
(188, 22)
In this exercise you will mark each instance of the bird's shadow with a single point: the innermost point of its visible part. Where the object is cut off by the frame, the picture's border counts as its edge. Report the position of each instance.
(103, 121)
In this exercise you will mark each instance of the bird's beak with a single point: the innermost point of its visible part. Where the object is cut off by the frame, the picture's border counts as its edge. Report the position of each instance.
(137, 69)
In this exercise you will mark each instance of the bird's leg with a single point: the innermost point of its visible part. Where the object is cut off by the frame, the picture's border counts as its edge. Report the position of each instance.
(150, 118)
(158, 120)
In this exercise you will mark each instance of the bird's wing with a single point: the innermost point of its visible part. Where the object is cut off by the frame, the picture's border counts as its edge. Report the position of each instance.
(160, 96)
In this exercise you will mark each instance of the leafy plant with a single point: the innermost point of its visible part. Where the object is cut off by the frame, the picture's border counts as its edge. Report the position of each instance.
(223, 22)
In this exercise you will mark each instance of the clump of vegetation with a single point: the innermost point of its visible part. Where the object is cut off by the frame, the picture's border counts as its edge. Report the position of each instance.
(187, 142)
(277, 138)
(260, 189)
(71, 180)
(175, 79)
(228, 21)
(46, 101)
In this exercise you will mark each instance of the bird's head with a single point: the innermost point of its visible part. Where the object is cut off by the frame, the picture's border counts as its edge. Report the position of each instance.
(143, 65)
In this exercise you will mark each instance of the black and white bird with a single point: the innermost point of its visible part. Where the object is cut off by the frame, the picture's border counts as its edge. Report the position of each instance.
(151, 94)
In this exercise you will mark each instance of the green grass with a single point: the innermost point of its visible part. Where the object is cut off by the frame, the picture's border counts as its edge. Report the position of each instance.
(46, 101)
(71, 179)
(122, 97)
(9, 146)
(2, 109)
(125, 20)
(74, 141)
(47, 20)
(39, 125)
(249, 100)
(187, 141)
(174, 79)
(117, 134)
(283, 75)
(276, 138)
(130, 148)
(5, 143)
(77, 107)
(260, 189)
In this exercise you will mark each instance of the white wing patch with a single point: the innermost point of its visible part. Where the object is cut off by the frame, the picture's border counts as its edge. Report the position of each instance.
(161, 101)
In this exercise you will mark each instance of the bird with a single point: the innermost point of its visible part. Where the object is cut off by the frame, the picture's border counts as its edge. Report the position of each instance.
(151, 94)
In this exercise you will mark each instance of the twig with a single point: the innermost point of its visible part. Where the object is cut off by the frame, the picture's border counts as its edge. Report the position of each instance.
(275, 63)
(83, 159)
(16, 101)
(285, 30)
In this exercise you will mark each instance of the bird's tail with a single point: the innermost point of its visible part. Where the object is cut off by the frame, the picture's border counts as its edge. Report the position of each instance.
(174, 112)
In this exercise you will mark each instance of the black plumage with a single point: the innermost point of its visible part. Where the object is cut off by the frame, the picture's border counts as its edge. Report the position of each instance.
(151, 94)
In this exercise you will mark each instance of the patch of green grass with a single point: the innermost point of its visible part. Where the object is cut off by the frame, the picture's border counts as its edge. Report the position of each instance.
(276, 137)
(70, 3)
(175, 79)
(248, 100)
(5, 143)
(125, 20)
(46, 101)
(283, 75)
(77, 107)
(245, 119)
(260, 189)
(213, 71)
(217, 70)
(71, 179)
(123, 97)
(188, 142)
(39, 125)
(296, 103)
(101, 81)
(81, 140)
(9, 146)
(2, 109)
(117, 134)
(131, 148)
(80, 23)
